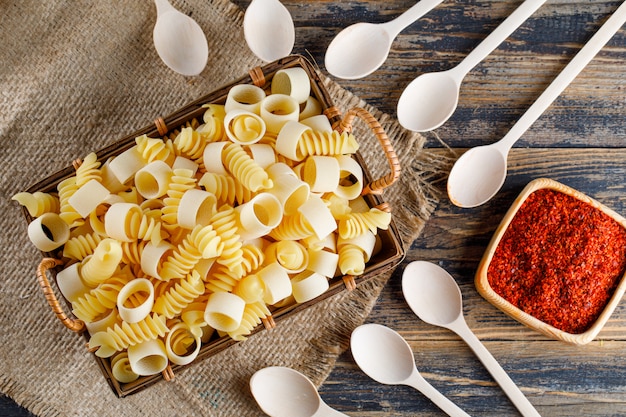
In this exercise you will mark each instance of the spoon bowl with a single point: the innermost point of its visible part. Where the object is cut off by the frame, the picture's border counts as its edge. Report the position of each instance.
(435, 297)
(268, 29)
(477, 176)
(386, 357)
(429, 101)
(360, 49)
(285, 392)
(179, 40)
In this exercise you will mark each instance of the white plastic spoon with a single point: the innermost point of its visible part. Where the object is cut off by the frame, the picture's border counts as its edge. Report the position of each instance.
(285, 392)
(268, 29)
(179, 40)
(480, 172)
(387, 358)
(360, 49)
(430, 99)
(434, 296)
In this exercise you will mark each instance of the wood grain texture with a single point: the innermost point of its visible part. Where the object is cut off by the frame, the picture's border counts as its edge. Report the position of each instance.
(579, 141)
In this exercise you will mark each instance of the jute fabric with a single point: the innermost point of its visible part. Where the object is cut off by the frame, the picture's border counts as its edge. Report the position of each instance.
(76, 76)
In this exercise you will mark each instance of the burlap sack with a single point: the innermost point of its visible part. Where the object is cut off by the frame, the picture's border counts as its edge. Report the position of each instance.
(78, 75)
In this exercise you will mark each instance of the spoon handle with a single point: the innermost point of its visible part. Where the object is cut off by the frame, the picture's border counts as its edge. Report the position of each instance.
(502, 378)
(416, 11)
(567, 75)
(419, 383)
(495, 38)
(327, 411)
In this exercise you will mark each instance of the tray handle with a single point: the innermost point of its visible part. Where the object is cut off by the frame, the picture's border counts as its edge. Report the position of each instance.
(345, 125)
(46, 264)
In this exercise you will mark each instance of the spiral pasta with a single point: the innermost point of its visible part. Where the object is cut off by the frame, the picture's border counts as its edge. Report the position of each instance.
(294, 227)
(202, 242)
(190, 143)
(355, 224)
(174, 301)
(120, 337)
(38, 203)
(99, 300)
(244, 168)
(181, 181)
(225, 224)
(252, 315)
(225, 188)
(155, 149)
(88, 170)
(81, 246)
(66, 189)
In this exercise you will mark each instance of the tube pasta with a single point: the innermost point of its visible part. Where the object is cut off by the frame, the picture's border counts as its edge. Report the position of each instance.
(289, 254)
(126, 222)
(181, 344)
(38, 203)
(120, 367)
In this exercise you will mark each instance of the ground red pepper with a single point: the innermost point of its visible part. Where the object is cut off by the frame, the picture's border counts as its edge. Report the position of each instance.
(559, 260)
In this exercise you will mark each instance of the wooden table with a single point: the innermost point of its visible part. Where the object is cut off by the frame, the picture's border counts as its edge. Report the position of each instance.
(579, 141)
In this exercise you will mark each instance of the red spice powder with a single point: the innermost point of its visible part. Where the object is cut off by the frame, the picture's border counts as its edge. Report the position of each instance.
(559, 260)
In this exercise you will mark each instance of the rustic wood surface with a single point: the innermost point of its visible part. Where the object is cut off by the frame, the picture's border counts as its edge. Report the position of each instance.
(579, 141)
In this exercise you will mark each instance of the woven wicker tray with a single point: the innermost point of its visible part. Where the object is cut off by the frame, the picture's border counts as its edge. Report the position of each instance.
(387, 258)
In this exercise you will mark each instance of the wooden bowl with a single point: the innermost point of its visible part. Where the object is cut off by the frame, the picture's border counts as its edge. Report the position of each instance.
(544, 288)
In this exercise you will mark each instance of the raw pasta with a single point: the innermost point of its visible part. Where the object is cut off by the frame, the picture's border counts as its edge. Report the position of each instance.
(211, 227)
(38, 203)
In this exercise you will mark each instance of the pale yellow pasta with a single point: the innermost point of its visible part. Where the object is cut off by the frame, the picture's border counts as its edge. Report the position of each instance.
(190, 144)
(326, 143)
(294, 227)
(181, 181)
(155, 149)
(250, 288)
(193, 316)
(351, 260)
(100, 266)
(181, 344)
(225, 188)
(131, 251)
(212, 130)
(100, 300)
(120, 367)
(202, 242)
(120, 337)
(339, 206)
(183, 293)
(289, 254)
(225, 224)
(244, 168)
(222, 279)
(355, 224)
(252, 315)
(66, 189)
(38, 203)
(244, 127)
(88, 170)
(127, 222)
(81, 246)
